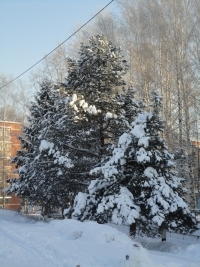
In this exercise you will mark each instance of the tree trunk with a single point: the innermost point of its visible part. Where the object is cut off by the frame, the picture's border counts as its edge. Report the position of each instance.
(132, 230)
(164, 234)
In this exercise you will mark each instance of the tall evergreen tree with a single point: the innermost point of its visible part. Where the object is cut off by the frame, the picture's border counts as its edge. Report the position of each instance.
(141, 172)
(95, 83)
(40, 161)
(29, 143)
(95, 79)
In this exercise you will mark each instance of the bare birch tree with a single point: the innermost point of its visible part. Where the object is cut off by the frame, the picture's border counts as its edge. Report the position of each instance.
(159, 37)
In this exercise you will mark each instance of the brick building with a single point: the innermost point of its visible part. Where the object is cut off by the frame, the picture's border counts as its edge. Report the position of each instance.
(9, 144)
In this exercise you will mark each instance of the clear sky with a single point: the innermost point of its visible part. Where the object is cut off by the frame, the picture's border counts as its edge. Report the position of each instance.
(29, 29)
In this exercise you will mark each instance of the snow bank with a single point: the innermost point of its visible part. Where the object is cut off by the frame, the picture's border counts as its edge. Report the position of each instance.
(11, 216)
(193, 251)
(68, 243)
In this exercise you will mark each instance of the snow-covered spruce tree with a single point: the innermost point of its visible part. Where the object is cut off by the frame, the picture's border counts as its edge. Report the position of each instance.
(94, 82)
(138, 182)
(95, 79)
(58, 144)
(51, 161)
(29, 143)
(38, 163)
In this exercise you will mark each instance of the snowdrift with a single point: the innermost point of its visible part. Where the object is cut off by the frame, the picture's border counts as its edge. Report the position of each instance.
(68, 243)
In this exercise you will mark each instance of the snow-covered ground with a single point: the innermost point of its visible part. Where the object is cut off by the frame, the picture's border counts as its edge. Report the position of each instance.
(68, 243)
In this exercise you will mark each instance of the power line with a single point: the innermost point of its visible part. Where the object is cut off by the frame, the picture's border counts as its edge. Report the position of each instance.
(57, 46)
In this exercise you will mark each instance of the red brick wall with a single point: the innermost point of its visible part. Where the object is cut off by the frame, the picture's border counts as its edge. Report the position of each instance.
(13, 203)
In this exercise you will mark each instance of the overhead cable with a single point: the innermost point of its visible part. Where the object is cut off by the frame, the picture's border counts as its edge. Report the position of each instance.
(57, 46)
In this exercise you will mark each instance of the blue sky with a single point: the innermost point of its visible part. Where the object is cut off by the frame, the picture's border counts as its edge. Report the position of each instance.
(29, 29)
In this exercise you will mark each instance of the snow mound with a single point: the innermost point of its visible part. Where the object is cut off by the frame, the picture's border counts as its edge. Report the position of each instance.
(66, 243)
(193, 251)
(11, 216)
(69, 243)
(108, 239)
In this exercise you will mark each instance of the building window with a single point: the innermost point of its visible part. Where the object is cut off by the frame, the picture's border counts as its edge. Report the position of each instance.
(1, 146)
(4, 131)
(5, 146)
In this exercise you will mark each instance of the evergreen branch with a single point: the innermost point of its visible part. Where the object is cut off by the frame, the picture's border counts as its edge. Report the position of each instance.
(83, 150)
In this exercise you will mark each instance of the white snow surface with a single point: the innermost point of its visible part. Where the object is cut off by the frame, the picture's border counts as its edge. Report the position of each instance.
(73, 100)
(75, 103)
(68, 243)
(140, 124)
(125, 212)
(92, 110)
(150, 172)
(110, 115)
(44, 145)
